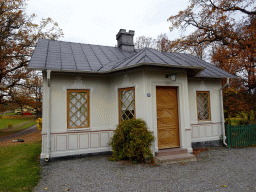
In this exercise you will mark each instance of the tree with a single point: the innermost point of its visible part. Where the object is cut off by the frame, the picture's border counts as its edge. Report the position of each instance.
(18, 36)
(232, 41)
(161, 43)
(20, 96)
(35, 83)
(143, 41)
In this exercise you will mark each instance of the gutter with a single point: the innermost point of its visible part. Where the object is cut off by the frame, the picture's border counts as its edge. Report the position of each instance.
(49, 116)
(222, 112)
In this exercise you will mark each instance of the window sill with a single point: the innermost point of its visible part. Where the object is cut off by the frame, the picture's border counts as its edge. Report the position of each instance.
(78, 129)
(204, 122)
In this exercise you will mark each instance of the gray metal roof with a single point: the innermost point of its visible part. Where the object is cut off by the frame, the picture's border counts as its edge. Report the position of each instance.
(77, 57)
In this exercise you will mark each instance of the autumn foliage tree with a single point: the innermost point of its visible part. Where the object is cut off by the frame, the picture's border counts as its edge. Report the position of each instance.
(226, 30)
(34, 83)
(18, 36)
(20, 96)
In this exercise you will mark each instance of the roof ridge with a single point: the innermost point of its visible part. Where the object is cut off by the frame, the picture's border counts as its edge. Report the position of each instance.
(134, 56)
(165, 53)
(96, 56)
(147, 56)
(79, 43)
(157, 55)
(104, 59)
(113, 53)
(117, 60)
(123, 60)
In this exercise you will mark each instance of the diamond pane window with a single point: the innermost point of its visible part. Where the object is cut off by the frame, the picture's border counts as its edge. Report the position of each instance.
(78, 108)
(126, 104)
(203, 106)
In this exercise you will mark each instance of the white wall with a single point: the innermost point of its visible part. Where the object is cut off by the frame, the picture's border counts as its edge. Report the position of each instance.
(205, 130)
(156, 77)
(104, 114)
(76, 141)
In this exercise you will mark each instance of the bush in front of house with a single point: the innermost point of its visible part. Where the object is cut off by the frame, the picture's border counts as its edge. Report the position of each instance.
(132, 140)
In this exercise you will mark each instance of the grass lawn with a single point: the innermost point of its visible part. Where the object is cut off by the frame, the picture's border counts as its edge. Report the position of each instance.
(20, 166)
(4, 122)
(17, 124)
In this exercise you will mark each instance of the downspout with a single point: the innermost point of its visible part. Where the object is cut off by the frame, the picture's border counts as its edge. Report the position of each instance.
(222, 112)
(49, 116)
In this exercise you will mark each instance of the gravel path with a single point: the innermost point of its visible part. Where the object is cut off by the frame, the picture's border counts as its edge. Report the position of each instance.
(20, 133)
(219, 169)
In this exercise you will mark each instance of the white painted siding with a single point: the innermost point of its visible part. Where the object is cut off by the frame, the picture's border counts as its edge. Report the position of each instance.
(205, 130)
(104, 114)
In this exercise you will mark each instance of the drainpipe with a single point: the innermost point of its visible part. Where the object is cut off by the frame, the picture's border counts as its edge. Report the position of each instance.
(49, 117)
(222, 112)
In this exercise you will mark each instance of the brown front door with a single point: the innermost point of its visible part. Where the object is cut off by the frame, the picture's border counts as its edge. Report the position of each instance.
(167, 117)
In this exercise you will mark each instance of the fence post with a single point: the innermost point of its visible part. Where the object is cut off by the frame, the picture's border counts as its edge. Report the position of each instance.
(228, 135)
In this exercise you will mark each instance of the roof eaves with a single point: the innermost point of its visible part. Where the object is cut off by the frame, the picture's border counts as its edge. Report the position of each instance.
(129, 67)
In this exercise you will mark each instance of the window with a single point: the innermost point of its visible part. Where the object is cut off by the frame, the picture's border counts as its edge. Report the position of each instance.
(203, 105)
(78, 108)
(126, 104)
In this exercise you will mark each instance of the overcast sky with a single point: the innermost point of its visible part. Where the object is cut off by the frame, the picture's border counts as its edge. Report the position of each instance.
(98, 21)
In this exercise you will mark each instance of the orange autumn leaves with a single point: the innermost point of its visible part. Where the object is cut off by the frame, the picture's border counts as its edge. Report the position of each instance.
(18, 37)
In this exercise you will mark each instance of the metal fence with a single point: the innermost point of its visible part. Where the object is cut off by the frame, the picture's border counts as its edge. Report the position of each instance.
(241, 135)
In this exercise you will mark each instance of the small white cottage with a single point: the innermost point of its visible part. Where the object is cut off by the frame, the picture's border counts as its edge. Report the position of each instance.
(89, 89)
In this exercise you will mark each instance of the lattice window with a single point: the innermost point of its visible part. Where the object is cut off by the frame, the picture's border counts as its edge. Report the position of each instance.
(203, 106)
(126, 104)
(78, 108)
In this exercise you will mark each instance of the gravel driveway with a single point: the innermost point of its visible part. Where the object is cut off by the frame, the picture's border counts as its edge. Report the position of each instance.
(219, 169)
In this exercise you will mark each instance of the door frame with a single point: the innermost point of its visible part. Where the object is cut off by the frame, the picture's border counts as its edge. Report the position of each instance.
(181, 90)
(178, 113)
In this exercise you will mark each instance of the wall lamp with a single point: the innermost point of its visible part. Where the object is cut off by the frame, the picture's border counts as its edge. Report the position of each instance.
(172, 76)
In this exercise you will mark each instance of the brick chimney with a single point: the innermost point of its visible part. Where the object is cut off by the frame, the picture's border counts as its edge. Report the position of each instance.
(125, 40)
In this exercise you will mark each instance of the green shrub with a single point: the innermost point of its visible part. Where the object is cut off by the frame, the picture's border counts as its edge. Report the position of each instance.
(132, 141)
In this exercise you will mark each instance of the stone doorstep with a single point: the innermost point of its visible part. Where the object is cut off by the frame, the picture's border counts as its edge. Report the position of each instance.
(169, 159)
(174, 151)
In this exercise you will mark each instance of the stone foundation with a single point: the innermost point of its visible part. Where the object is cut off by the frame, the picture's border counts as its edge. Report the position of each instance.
(204, 144)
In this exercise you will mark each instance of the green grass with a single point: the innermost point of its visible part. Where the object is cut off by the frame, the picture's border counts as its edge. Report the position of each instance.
(18, 128)
(19, 167)
(4, 122)
(9, 113)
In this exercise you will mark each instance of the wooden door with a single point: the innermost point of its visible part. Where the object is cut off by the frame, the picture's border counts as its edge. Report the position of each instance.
(167, 117)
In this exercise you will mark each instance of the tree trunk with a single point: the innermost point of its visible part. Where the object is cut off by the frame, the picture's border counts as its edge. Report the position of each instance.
(21, 109)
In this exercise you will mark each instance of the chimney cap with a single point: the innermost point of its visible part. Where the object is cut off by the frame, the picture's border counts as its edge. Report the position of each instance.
(123, 31)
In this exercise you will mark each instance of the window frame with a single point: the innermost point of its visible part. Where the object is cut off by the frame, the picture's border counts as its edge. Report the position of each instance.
(209, 105)
(119, 100)
(88, 107)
